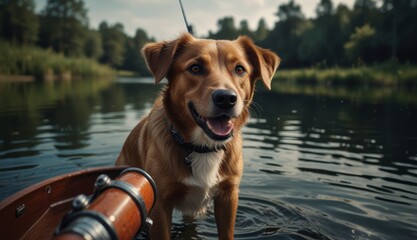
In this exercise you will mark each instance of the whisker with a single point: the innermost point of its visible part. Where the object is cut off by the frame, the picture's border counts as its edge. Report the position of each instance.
(255, 109)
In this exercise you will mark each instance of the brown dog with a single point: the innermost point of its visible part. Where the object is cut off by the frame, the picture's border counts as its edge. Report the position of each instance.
(190, 143)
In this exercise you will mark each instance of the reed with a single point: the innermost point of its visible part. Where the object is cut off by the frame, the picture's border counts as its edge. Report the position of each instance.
(44, 64)
(385, 74)
(126, 73)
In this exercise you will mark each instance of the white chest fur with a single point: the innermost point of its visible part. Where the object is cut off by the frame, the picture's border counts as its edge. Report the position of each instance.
(205, 169)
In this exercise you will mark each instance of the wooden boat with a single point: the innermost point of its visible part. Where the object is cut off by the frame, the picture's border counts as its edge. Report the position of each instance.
(35, 212)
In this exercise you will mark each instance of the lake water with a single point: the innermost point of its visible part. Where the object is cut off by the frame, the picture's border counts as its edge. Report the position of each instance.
(320, 163)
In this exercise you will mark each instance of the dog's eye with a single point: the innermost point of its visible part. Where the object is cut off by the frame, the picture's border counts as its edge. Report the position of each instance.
(195, 68)
(240, 70)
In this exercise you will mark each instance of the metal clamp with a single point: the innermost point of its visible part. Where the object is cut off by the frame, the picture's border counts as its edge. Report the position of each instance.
(94, 225)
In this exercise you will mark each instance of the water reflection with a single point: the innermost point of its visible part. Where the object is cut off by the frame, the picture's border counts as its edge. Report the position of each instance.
(359, 151)
(55, 127)
(317, 165)
(357, 94)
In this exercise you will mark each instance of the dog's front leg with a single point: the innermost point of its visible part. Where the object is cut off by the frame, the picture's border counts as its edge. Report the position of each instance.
(225, 208)
(162, 217)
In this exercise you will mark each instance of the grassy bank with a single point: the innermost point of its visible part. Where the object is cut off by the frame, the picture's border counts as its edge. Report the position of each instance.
(386, 74)
(46, 64)
(126, 73)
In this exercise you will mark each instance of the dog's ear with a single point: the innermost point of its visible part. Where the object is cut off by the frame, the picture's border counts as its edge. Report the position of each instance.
(264, 61)
(159, 56)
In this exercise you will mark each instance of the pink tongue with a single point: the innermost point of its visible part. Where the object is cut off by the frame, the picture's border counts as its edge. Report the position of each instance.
(221, 127)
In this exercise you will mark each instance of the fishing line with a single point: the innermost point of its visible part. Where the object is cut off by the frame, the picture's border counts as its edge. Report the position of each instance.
(189, 27)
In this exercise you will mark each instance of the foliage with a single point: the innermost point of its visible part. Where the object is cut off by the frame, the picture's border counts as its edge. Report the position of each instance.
(359, 42)
(338, 36)
(18, 22)
(64, 26)
(227, 29)
(46, 64)
(324, 8)
(113, 43)
(386, 74)
(133, 61)
(367, 34)
(93, 47)
(262, 31)
(285, 38)
(353, 93)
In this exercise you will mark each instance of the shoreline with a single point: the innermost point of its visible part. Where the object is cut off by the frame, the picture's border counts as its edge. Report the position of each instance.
(17, 78)
(45, 78)
(28, 63)
(389, 74)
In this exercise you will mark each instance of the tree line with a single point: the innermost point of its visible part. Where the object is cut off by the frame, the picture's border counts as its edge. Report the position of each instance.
(62, 26)
(370, 32)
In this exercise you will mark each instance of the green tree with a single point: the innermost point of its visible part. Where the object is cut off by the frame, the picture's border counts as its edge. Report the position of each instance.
(289, 11)
(337, 35)
(359, 47)
(399, 23)
(261, 31)
(227, 29)
(367, 13)
(133, 59)
(93, 47)
(64, 26)
(363, 10)
(113, 44)
(322, 44)
(244, 29)
(18, 21)
(343, 20)
(324, 8)
(286, 35)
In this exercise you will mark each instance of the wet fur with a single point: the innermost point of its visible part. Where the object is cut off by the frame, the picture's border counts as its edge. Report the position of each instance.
(214, 175)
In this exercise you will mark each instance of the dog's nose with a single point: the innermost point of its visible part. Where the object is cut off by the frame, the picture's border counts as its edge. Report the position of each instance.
(224, 99)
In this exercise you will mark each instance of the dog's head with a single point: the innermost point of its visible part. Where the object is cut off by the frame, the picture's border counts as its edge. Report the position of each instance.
(210, 83)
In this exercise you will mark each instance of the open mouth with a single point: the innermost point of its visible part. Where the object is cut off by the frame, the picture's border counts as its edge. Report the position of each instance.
(217, 128)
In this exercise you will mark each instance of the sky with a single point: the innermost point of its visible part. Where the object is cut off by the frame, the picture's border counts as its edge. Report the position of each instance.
(162, 19)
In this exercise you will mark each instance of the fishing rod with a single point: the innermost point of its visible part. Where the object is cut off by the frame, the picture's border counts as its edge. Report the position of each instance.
(189, 27)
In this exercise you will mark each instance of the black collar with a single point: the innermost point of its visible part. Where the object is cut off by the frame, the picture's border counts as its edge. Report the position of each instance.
(189, 147)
